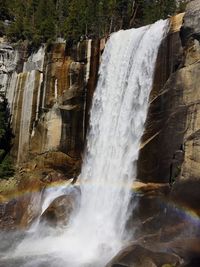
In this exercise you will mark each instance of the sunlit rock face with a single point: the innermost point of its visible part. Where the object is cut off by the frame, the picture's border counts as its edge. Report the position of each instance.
(8, 63)
(47, 96)
(190, 77)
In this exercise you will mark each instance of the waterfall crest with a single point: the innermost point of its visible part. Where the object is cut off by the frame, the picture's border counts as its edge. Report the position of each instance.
(97, 230)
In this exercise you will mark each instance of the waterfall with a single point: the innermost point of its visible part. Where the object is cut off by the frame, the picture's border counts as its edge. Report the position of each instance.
(96, 232)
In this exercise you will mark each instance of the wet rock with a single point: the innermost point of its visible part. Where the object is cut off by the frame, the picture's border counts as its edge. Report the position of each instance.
(186, 194)
(151, 189)
(59, 211)
(21, 196)
(19, 212)
(170, 144)
(138, 256)
(187, 248)
(9, 215)
(164, 125)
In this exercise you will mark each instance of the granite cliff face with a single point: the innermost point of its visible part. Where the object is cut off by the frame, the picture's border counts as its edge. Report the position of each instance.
(49, 93)
(167, 222)
(55, 88)
(162, 133)
(170, 148)
(190, 35)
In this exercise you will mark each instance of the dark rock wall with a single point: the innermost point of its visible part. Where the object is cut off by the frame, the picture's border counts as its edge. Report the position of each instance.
(170, 146)
(164, 125)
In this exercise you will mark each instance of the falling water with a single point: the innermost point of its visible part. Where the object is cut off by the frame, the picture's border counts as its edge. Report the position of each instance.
(97, 230)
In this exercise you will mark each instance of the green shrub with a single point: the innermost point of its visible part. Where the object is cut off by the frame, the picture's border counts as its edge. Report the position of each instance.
(6, 168)
(40, 21)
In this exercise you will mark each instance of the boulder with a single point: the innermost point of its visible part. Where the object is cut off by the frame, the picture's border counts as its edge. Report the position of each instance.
(21, 196)
(185, 193)
(59, 211)
(138, 256)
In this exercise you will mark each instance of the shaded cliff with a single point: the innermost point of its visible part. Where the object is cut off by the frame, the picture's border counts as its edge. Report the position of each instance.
(167, 223)
(157, 151)
(170, 146)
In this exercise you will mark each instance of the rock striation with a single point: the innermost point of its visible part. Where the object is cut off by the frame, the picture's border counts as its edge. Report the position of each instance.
(168, 221)
(55, 87)
(170, 146)
(49, 93)
(164, 125)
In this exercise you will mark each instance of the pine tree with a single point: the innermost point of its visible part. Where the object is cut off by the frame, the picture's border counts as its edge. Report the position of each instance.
(157, 9)
(43, 20)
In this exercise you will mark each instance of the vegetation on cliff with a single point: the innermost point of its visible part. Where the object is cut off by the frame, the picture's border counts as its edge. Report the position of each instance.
(43, 21)
(6, 168)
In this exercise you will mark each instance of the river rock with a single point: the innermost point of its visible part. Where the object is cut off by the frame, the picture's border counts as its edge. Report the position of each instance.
(60, 210)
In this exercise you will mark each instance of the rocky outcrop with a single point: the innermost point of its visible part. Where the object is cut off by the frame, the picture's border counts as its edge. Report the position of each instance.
(22, 199)
(60, 210)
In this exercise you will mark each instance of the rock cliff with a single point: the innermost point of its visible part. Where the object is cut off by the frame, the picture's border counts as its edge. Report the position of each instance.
(170, 147)
(168, 222)
(49, 93)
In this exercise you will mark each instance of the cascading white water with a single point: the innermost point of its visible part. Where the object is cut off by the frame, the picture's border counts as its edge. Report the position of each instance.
(97, 230)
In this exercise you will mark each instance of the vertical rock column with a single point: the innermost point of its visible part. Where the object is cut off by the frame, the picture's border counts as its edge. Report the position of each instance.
(70, 75)
(50, 94)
